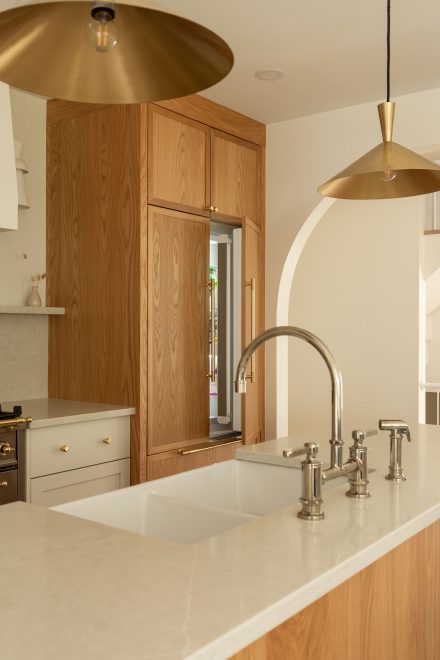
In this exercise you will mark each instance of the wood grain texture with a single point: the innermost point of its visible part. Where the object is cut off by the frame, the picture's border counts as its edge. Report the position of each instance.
(94, 260)
(178, 389)
(253, 400)
(235, 178)
(178, 162)
(58, 110)
(390, 610)
(169, 462)
(217, 116)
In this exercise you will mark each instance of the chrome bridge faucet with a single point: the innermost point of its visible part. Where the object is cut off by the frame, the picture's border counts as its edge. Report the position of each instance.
(312, 474)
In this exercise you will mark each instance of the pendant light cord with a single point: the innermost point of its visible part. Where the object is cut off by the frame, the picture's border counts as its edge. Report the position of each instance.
(388, 47)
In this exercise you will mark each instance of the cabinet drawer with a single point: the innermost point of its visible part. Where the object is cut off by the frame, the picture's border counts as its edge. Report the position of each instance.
(76, 484)
(71, 446)
(170, 462)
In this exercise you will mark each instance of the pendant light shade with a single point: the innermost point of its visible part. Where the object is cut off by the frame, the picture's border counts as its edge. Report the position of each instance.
(387, 171)
(134, 55)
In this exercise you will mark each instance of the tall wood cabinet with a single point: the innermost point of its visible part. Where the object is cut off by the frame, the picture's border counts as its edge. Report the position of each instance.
(131, 191)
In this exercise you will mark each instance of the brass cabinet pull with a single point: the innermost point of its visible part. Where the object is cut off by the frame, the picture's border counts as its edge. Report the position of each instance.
(212, 208)
(107, 440)
(3, 484)
(252, 283)
(212, 344)
(195, 449)
(65, 448)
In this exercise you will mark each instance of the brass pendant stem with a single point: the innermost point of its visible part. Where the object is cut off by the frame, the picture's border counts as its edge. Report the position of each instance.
(386, 116)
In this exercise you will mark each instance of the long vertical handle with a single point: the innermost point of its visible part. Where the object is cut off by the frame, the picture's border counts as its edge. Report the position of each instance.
(252, 284)
(212, 288)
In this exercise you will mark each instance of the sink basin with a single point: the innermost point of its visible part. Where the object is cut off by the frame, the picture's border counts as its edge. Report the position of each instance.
(194, 505)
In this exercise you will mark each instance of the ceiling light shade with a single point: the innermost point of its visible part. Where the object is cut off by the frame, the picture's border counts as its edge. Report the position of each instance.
(44, 49)
(387, 171)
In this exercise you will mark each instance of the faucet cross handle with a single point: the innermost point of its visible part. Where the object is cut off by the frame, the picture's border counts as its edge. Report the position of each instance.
(398, 429)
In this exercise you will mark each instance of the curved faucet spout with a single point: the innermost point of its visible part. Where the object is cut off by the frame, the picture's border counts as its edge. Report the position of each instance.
(336, 441)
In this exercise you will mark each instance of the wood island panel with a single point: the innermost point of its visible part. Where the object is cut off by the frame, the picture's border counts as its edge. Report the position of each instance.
(390, 610)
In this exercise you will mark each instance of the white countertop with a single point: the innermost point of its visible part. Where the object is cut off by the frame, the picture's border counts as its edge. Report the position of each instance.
(51, 412)
(75, 589)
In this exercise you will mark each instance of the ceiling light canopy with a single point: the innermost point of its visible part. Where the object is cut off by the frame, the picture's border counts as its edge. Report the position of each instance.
(122, 54)
(389, 170)
(270, 74)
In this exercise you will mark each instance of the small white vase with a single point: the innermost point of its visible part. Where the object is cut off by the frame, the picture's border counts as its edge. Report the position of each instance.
(33, 299)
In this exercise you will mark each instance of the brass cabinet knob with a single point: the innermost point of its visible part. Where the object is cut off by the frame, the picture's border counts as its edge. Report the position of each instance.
(65, 448)
(212, 208)
(5, 448)
(3, 484)
(107, 441)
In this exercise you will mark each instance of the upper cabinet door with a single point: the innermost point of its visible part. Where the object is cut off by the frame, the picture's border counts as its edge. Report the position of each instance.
(235, 178)
(178, 162)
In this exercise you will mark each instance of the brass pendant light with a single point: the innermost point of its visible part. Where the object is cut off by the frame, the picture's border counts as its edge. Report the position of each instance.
(389, 170)
(105, 53)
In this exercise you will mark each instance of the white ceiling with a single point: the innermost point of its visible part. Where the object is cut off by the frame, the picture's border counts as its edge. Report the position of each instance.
(333, 52)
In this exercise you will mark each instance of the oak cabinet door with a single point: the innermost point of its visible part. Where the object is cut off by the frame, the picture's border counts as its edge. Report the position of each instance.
(253, 400)
(178, 394)
(170, 462)
(178, 162)
(235, 178)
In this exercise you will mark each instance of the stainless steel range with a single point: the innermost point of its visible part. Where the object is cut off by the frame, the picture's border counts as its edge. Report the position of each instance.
(12, 455)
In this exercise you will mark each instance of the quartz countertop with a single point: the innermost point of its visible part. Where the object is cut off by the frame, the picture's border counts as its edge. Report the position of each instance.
(51, 412)
(75, 589)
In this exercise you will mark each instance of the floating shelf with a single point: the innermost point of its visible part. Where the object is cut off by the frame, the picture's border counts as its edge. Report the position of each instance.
(40, 311)
(431, 232)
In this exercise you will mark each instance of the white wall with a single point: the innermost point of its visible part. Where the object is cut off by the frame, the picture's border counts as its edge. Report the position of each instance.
(24, 340)
(305, 152)
(357, 287)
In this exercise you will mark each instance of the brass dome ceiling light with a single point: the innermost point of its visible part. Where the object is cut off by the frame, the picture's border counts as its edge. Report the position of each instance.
(389, 170)
(105, 53)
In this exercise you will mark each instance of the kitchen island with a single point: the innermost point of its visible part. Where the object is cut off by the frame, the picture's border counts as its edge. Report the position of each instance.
(74, 588)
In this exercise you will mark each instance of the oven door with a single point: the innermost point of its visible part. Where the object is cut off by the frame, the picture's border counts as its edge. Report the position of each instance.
(8, 486)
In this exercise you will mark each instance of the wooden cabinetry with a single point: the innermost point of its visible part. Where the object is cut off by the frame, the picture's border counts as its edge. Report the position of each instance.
(179, 162)
(72, 461)
(178, 392)
(235, 178)
(127, 255)
(201, 170)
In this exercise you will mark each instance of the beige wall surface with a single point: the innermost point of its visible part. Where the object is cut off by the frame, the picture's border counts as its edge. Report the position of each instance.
(23, 360)
(305, 152)
(357, 287)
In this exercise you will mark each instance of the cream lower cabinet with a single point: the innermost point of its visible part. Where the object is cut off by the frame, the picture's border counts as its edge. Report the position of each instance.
(70, 461)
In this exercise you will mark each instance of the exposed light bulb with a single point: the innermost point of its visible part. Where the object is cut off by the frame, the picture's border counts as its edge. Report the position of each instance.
(388, 175)
(102, 32)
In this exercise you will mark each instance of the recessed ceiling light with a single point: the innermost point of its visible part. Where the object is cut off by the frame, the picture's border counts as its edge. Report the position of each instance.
(270, 74)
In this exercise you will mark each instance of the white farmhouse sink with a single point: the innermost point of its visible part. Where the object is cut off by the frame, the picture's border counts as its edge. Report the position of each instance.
(194, 505)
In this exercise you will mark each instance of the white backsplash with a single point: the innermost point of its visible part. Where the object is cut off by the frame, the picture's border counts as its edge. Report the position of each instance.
(23, 357)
